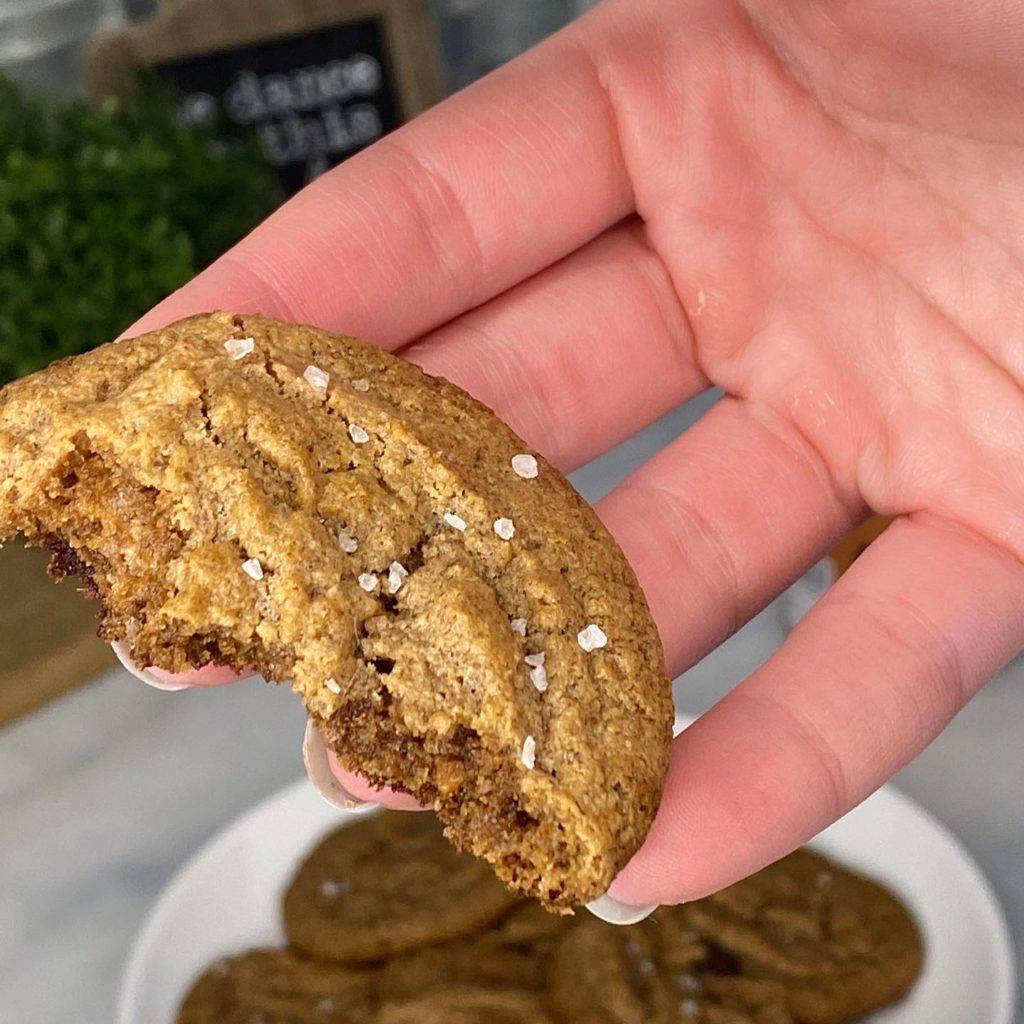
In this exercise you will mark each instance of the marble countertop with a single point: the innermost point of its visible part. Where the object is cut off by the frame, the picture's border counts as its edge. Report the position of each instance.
(106, 792)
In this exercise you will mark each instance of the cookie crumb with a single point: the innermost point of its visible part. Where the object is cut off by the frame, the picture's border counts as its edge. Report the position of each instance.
(252, 568)
(360, 384)
(454, 521)
(368, 581)
(396, 577)
(518, 626)
(539, 678)
(525, 466)
(317, 379)
(239, 348)
(534, 659)
(333, 685)
(591, 638)
(348, 543)
(504, 528)
(529, 754)
(357, 434)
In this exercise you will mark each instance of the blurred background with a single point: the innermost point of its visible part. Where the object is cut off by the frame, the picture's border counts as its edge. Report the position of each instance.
(139, 139)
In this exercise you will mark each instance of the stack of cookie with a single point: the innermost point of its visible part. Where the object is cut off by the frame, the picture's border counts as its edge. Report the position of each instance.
(388, 924)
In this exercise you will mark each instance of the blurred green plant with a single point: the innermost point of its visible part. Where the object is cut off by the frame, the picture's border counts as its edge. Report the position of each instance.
(105, 209)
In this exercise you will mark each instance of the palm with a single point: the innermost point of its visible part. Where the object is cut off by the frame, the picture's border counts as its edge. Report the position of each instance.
(819, 213)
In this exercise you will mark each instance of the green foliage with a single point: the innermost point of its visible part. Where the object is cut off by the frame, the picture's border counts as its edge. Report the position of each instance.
(104, 210)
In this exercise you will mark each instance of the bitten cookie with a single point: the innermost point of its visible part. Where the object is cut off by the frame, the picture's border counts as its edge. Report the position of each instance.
(277, 987)
(458, 622)
(829, 943)
(385, 885)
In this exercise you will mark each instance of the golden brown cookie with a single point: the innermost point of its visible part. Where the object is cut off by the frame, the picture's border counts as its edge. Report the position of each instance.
(244, 491)
(387, 884)
(832, 944)
(467, 1006)
(649, 973)
(271, 986)
(511, 954)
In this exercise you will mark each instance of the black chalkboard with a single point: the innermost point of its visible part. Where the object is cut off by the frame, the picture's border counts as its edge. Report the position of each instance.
(311, 99)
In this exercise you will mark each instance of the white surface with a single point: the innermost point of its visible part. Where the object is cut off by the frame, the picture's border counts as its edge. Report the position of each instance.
(105, 793)
(227, 898)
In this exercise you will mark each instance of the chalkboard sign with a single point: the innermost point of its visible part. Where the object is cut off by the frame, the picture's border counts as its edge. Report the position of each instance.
(314, 80)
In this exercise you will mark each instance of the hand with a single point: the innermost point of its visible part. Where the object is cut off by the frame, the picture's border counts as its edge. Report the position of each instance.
(818, 207)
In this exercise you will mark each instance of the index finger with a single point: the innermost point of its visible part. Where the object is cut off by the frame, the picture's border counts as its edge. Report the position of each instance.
(475, 195)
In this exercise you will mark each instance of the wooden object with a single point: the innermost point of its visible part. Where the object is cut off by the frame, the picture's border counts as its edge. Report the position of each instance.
(315, 80)
(48, 642)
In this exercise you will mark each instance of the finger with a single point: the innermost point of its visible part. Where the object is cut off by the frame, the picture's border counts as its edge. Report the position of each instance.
(579, 357)
(721, 521)
(473, 196)
(361, 789)
(208, 675)
(866, 680)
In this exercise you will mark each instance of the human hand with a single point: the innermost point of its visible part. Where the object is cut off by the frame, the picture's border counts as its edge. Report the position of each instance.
(818, 207)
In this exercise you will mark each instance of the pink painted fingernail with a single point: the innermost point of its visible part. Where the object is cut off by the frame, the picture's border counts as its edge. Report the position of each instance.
(609, 909)
(318, 768)
(142, 674)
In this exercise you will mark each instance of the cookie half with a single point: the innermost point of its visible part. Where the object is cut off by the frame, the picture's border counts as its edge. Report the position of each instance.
(388, 884)
(458, 622)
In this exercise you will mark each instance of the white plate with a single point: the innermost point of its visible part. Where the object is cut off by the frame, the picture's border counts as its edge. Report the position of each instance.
(225, 899)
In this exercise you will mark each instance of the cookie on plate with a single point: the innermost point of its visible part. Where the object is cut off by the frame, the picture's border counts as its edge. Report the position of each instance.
(467, 1006)
(386, 884)
(832, 944)
(650, 973)
(511, 954)
(460, 625)
(275, 986)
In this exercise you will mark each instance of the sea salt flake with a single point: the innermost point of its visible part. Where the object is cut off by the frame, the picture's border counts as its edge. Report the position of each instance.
(535, 659)
(324, 1006)
(524, 466)
(348, 543)
(368, 581)
(396, 577)
(357, 434)
(824, 879)
(529, 754)
(504, 528)
(539, 678)
(239, 348)
(518, 626)
(689, 1007)
(454, 521)
(252, 568)
(361, 384)
(333, 887)
(333, 685)
(591, 638)
(316, 378)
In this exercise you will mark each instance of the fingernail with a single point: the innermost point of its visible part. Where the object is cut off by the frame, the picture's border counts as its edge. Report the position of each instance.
(121, 650)
(318, 768)
(609, 909)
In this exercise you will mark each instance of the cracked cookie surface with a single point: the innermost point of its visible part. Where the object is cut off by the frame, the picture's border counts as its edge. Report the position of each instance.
(259, 494)
(385, 885)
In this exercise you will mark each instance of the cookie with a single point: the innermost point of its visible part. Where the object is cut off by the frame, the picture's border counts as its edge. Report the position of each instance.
(650, 973)
(271, 986)
(832, 944)
(512, 954)
(258, 494)
(467, 1006)
(387, 884)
